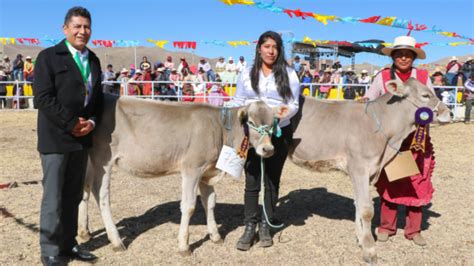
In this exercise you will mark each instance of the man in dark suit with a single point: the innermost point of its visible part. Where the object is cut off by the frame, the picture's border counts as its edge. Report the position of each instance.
(68, 95)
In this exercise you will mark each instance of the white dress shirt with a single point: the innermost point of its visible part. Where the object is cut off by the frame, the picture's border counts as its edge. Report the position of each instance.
(244, 93)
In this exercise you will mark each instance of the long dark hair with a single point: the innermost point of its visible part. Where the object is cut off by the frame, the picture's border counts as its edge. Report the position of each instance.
(279, 67)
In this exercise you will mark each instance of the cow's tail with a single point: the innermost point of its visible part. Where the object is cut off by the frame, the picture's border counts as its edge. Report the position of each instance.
(214, 180)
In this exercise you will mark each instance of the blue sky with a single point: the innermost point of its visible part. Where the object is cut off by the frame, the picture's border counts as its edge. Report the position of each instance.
(196, 20)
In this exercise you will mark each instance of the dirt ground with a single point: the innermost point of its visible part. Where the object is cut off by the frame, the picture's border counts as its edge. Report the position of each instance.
(317, 208)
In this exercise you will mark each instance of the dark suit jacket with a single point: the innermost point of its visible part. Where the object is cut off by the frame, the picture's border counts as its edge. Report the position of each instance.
(60, 92)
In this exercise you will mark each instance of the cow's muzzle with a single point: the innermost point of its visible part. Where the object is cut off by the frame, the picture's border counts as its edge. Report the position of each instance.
(264, 146)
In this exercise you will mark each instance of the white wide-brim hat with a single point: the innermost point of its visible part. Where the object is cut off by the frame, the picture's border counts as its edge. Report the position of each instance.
(404, 42)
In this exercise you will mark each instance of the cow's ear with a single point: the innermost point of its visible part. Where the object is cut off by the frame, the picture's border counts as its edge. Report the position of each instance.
(397, 88)
(243, 115)
(281, 111)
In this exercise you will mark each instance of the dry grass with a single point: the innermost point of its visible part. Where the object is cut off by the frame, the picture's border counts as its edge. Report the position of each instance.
(317, 208)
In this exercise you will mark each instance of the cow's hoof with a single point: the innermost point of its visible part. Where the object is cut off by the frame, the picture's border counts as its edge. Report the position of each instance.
(84, 235)
(370, 256)
(119, 248)
(219, 241)
(216, 239)
(185, 253)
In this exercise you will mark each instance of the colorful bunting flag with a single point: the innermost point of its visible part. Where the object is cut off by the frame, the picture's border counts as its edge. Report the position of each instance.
(324, 18)
(237, 2)
(103, 43)
(185, 45)
(159, 43)
(298, 13)
(236, 43)
(373, 19)
(387, 21)
(347, 19)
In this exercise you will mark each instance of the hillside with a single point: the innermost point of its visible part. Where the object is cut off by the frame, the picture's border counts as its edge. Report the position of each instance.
(117, 56)
(124, 56)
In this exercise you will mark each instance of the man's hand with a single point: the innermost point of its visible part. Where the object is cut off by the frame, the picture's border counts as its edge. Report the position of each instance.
(82, 128)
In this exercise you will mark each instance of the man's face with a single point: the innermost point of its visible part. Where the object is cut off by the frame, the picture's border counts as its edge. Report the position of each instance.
(78, 32)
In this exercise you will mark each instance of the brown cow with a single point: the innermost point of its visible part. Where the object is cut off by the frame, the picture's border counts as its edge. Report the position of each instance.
(360, 139)
(150, 139)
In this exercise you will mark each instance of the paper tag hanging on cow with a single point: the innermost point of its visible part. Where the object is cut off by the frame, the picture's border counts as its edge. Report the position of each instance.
(423, 117)
(230, 162)
(403, 165)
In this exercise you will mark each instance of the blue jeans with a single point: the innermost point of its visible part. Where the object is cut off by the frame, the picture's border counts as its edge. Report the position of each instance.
(210, 75)
(18, 74)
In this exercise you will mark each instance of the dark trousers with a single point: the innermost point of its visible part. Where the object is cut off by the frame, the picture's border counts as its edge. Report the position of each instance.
(467, 114)
(63, 183)
(273, 168)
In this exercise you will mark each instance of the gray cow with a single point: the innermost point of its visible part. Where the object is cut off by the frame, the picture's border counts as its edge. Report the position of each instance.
(150, 139)
(358, 138)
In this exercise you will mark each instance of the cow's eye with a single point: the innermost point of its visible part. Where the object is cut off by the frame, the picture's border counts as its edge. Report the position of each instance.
(425, 96)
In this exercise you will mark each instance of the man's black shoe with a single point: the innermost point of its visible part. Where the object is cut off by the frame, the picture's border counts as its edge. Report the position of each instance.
(53, 261)
(80, 254)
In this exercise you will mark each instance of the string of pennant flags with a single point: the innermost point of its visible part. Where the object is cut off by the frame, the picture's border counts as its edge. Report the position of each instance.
(193, 44)
(390, 21)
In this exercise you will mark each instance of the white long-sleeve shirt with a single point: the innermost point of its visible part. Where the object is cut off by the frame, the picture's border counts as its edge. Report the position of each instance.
(267, 87)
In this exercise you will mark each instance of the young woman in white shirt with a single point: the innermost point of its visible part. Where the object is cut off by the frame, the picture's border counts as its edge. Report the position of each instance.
(271, 80)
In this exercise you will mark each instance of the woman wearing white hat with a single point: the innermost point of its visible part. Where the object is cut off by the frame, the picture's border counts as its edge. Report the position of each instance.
(231, 66)
(123, 79)
(452, 68)
(414, 191)
(28, 69)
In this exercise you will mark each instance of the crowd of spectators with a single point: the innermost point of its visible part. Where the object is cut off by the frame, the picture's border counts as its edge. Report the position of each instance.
(18, 70)
(169, 79)
(328, 77)
(334, 76)
(192, 82)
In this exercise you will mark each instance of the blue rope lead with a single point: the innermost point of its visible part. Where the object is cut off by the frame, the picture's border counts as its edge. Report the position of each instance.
(262, 187)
